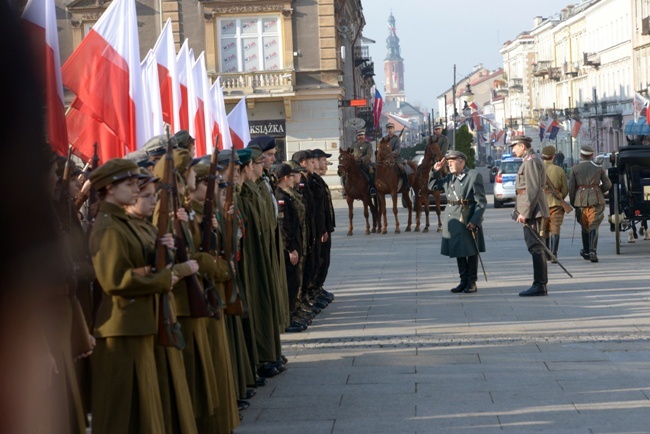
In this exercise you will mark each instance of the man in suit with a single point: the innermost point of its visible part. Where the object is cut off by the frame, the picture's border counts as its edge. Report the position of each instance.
(532, 208)
(462, 237)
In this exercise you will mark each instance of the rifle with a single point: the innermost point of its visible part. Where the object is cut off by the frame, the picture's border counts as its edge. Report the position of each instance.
(82, 197)
(208, 237)
(169, 330)
(64, 194)
(195, 294)
(556, 194)
(234, 305)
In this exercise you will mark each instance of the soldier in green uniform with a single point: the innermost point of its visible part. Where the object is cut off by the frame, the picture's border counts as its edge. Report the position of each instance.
(532, 208)
(555, 191)
(183, 140)
(126, 396)
(395, 145)
(443, 143)
(587, 183)
(362, 151)
(330, 224)
(172, 382)
(462, 237)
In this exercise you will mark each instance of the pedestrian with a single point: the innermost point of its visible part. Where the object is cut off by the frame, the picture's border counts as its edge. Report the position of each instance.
(532, 207)
(587, 183)
(555, 191)
(462, 237)
(559, 158)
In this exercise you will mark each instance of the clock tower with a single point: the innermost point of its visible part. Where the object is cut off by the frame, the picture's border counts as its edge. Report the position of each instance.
(393, 65)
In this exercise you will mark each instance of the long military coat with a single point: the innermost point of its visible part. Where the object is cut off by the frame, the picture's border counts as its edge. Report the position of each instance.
(587, 182)
(457, 240)
(531, 179)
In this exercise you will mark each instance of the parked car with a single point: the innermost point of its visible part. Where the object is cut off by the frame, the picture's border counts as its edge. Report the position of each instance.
(494, 170)
(419, 156)
(504, 182)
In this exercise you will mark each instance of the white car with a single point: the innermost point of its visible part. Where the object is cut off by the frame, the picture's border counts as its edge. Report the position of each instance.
(504, 183)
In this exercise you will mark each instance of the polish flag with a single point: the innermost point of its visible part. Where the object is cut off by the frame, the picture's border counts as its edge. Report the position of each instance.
(220, 119)
(377, 105)
(104, 73)
(86, 131)
(239, 128)
(40, 20)
(203, 116)
(575, 129)
(170, 91)
(151, 97)
(184, 63)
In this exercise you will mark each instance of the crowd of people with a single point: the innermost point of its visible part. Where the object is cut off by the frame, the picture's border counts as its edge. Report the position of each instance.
(168, 314)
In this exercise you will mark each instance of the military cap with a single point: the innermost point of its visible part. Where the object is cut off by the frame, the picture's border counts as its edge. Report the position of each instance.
(319, 153)
(60, 167)
(182, 139)
(265, 143)
(301, 156)
(141, 158)
(438, 127)
(146, 179)
(296, 167)
(548, 151)
(156, 146)
(452, 155)
(283, 170)
(202, 171)
(521, 139)
(182, 161)
(224, 158)
(586, 150)
(114, 170)
(390, 125)
(361, 133)
(256, 153)
(245, 156)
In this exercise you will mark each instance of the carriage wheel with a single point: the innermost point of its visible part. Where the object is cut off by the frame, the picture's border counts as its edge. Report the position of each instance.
(616, 220)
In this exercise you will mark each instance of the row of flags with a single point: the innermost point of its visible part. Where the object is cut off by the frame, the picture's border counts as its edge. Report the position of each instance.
(120, 102)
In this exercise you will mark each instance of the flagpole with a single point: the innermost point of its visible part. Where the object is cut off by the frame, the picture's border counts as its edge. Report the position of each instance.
(571, 131)
(453, 98)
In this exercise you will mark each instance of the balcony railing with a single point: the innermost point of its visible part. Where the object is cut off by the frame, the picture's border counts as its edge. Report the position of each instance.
(361, 54)
(259, 82)
(592, 59)
(541, 68)
(516, 85)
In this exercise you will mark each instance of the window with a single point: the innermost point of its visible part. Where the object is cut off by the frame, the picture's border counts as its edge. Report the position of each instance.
(250, 44)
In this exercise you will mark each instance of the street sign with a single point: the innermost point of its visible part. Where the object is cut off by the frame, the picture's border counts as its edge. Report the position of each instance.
(358, 103)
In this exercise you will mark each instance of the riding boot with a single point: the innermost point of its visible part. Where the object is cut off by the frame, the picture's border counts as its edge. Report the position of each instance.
(540, 278)
(371, 182)
(405, 178)
(555, 242)
(462, 272)
(547, 241)
(472, 274)
(593, 244)
(585, 246)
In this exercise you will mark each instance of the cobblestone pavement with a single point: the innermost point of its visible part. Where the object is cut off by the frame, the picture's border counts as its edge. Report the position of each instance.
(398, 353)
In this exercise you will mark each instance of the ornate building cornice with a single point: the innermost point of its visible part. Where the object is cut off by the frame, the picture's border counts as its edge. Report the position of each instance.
(230, 7)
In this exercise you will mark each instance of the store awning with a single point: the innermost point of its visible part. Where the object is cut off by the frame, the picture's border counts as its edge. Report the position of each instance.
(638, 128)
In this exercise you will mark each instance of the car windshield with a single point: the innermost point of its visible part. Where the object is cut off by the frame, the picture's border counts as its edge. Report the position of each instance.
(510, 166)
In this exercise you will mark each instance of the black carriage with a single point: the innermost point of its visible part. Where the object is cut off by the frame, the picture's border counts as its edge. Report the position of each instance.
(629, 200)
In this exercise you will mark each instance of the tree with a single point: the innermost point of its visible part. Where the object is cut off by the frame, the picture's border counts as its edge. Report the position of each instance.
(464, 144)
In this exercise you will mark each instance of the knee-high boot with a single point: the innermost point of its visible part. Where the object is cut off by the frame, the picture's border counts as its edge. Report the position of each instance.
(555, 242)
(585, 245)
(593, 243)
(539, 276)
(472, 274)
(462, 272)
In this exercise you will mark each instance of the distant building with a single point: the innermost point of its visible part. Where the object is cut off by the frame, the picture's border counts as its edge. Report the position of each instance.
(393, 65)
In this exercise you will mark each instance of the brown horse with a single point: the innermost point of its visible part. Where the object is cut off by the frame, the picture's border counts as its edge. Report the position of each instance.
(386, 182)
(421, 190)
(356, 187)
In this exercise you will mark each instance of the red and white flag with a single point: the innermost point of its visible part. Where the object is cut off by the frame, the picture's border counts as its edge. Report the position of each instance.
(239, 128)
(40, 20)
(170, 91)
(219, 117)
(575, 128)
(86, 131)
(203, 116)
(104, 72)
(154, 124)
(184, 63)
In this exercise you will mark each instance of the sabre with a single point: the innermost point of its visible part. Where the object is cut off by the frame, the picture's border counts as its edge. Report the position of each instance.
(515, 214)
(473, 231)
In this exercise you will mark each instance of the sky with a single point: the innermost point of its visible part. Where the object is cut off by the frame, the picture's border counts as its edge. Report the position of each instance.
(436, 34)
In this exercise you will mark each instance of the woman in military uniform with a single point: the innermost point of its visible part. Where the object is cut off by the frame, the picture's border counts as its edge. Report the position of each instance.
(126, 396)
(174, 393)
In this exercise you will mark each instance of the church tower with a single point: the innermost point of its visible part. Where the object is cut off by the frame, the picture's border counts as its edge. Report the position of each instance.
(393, 65)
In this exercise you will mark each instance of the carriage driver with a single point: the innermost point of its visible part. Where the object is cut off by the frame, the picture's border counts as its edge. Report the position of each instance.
(362, 151)
(587, 182)
(395, 145)
(462, 237)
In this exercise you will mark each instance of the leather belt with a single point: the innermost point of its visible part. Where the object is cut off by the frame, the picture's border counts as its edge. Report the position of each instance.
(520, 191)
(460, 202)
(588, 186)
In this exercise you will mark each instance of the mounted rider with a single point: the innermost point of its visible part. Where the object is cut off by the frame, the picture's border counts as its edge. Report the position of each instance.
(395, 145)
(362, 151)
(443, 143)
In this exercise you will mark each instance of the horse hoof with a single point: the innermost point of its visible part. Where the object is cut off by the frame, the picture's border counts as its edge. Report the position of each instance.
(408, 229)
(439, 229)
(397, 231)
(425, 230)
(350, 234)
(384, 232)
(416, 230)
(367, 232)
